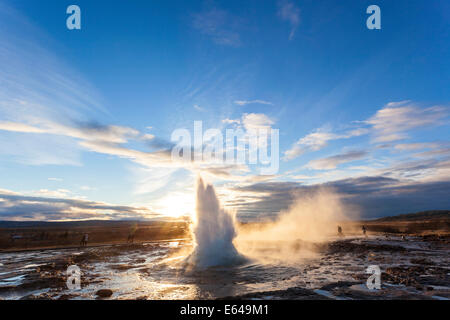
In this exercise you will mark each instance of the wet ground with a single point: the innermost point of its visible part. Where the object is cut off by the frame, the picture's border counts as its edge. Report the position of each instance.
(412, 268)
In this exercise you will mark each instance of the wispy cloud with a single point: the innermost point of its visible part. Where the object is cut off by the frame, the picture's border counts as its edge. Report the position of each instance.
(39, 149)
(117, 140)
(313, 141)
(36, 84)
(83, 131)
(198, 108)
(415, 146)
(251, 121)
(231, 121)
(256, 121)
(433, 153)
(318, 140)
(245, 102)
(333, 161)
(59, 193)
(86, 188)
(392, 122)
(288, 11)
(218, 24)
(424, 167)
(54, 206)
(106, 139)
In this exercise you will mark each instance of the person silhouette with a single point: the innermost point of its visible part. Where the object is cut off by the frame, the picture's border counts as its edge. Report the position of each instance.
(84, 240)
(132, 233)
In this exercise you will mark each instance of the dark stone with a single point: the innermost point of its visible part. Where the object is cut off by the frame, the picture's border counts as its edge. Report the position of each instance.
(104, 293)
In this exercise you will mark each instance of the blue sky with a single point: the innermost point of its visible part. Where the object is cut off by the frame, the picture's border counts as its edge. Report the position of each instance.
(86, 115)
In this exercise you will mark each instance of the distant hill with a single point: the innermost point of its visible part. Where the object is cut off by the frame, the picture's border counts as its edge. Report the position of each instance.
(40, 224)
(423, 215)
(74, 224)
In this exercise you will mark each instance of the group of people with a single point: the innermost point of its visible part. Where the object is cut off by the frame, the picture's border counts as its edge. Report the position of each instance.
(341, 234)
(130, 239)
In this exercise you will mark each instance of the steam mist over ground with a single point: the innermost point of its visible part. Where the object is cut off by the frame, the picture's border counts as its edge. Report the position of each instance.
(312, 218)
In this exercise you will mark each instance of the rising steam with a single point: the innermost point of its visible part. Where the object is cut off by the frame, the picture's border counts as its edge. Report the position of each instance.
(313, 218)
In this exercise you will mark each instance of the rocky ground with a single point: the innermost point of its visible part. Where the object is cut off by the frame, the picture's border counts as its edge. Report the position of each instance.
(412, 268)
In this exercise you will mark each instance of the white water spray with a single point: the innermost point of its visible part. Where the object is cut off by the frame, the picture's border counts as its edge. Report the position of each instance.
(214, 231)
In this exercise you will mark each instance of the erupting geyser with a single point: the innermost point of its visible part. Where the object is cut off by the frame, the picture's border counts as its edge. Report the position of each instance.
(214, 231)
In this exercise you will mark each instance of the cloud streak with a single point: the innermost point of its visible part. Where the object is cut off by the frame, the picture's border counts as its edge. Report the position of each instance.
(246, 102)
(219, 25)
(18, 207)
(318, 140)
(392, 122)
(35, 84)
(333, 161)
(289, 12)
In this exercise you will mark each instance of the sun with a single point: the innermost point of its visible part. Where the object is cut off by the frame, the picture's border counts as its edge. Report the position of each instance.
(177, 204)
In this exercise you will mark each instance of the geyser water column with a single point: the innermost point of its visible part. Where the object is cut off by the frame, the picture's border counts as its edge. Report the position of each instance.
(214, 231)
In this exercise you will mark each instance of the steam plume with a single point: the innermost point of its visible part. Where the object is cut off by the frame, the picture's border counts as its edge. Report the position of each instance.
(313, 218)
(214, 231)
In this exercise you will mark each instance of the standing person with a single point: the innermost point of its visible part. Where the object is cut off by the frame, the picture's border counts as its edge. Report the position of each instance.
(340, 231)
(84, 240)
(130, 238)
(364, 230)
(131, 234)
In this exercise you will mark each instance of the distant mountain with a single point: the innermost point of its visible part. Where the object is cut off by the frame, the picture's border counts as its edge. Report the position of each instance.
(423, 215)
